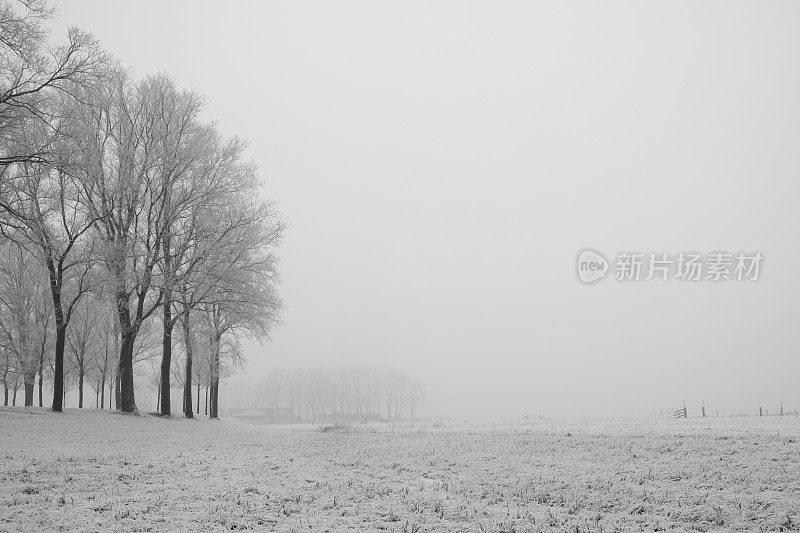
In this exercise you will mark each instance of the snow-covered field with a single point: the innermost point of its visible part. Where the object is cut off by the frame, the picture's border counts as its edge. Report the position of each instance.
(103, 471)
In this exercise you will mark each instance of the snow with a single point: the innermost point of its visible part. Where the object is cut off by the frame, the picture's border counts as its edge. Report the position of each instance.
(99, 470)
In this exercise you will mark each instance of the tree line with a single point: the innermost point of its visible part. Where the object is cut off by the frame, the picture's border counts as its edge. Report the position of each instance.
(124, 218)
(341, 393)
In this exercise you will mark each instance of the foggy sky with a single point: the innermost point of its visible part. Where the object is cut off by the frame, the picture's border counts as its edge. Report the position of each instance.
(441, 164)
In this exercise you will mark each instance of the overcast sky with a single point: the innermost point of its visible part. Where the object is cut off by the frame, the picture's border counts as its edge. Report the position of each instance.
(441, 164)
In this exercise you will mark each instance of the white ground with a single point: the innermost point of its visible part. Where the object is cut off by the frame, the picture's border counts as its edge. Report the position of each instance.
(95, 470)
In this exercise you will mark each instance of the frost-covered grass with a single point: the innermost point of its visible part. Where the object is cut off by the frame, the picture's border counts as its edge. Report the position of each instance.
(103, 471)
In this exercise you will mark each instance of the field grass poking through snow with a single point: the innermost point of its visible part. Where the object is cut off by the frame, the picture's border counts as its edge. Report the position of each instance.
(93, 470)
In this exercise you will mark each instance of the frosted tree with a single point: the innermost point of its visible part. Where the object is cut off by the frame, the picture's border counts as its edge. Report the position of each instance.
(125, 194)
(273, 389)
(416, 395)
(200, 254)
(226, 264)
(245, 300)
(42, 209)
(6, 369)
(26, 315)
(107, 181)
(83, 343)
(32, 72)
(180, 141)
(106, 342)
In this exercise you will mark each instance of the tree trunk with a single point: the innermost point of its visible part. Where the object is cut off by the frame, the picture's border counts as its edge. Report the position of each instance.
(103, 391)
(214, 399)
(117, 388)
(30, 383)
(166, 363)
(61, 333)
(16, 389)
(58, 373)
(127, 397)
(80, 390)
(41, 378)
(187, 384)
(114, 383)
(128, 331)
(198, 396)
(29, 394)
(5, 394)
(214, 408)
(166, 306)
(206, 412)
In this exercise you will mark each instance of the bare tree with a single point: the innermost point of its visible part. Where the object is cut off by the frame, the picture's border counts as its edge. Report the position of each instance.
(181, 141)
(82, 343)
(107, 349)
(399, 391)
(226, 265)
(96, 170)
(6, 369)
(14, 386)
(416, 395)
(32, 72)
(42, 208)
(120, 180)
(27, 314)
(217, 215)
(341, 393)
(192, 366)
(273, 387)
(246, 303)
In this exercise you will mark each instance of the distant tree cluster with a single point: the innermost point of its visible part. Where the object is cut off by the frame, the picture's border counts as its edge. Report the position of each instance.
(354, 393)
(124, 218)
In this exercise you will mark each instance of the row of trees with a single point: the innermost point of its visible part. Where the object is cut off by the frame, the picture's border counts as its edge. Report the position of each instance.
(92, 344)
(311, 394)
(119, 205)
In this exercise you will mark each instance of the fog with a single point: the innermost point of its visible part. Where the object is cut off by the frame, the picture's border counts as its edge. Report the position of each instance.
(441, 166)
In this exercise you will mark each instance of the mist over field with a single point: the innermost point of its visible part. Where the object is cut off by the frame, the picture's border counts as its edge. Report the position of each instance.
(408, 267)
(442, 165)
